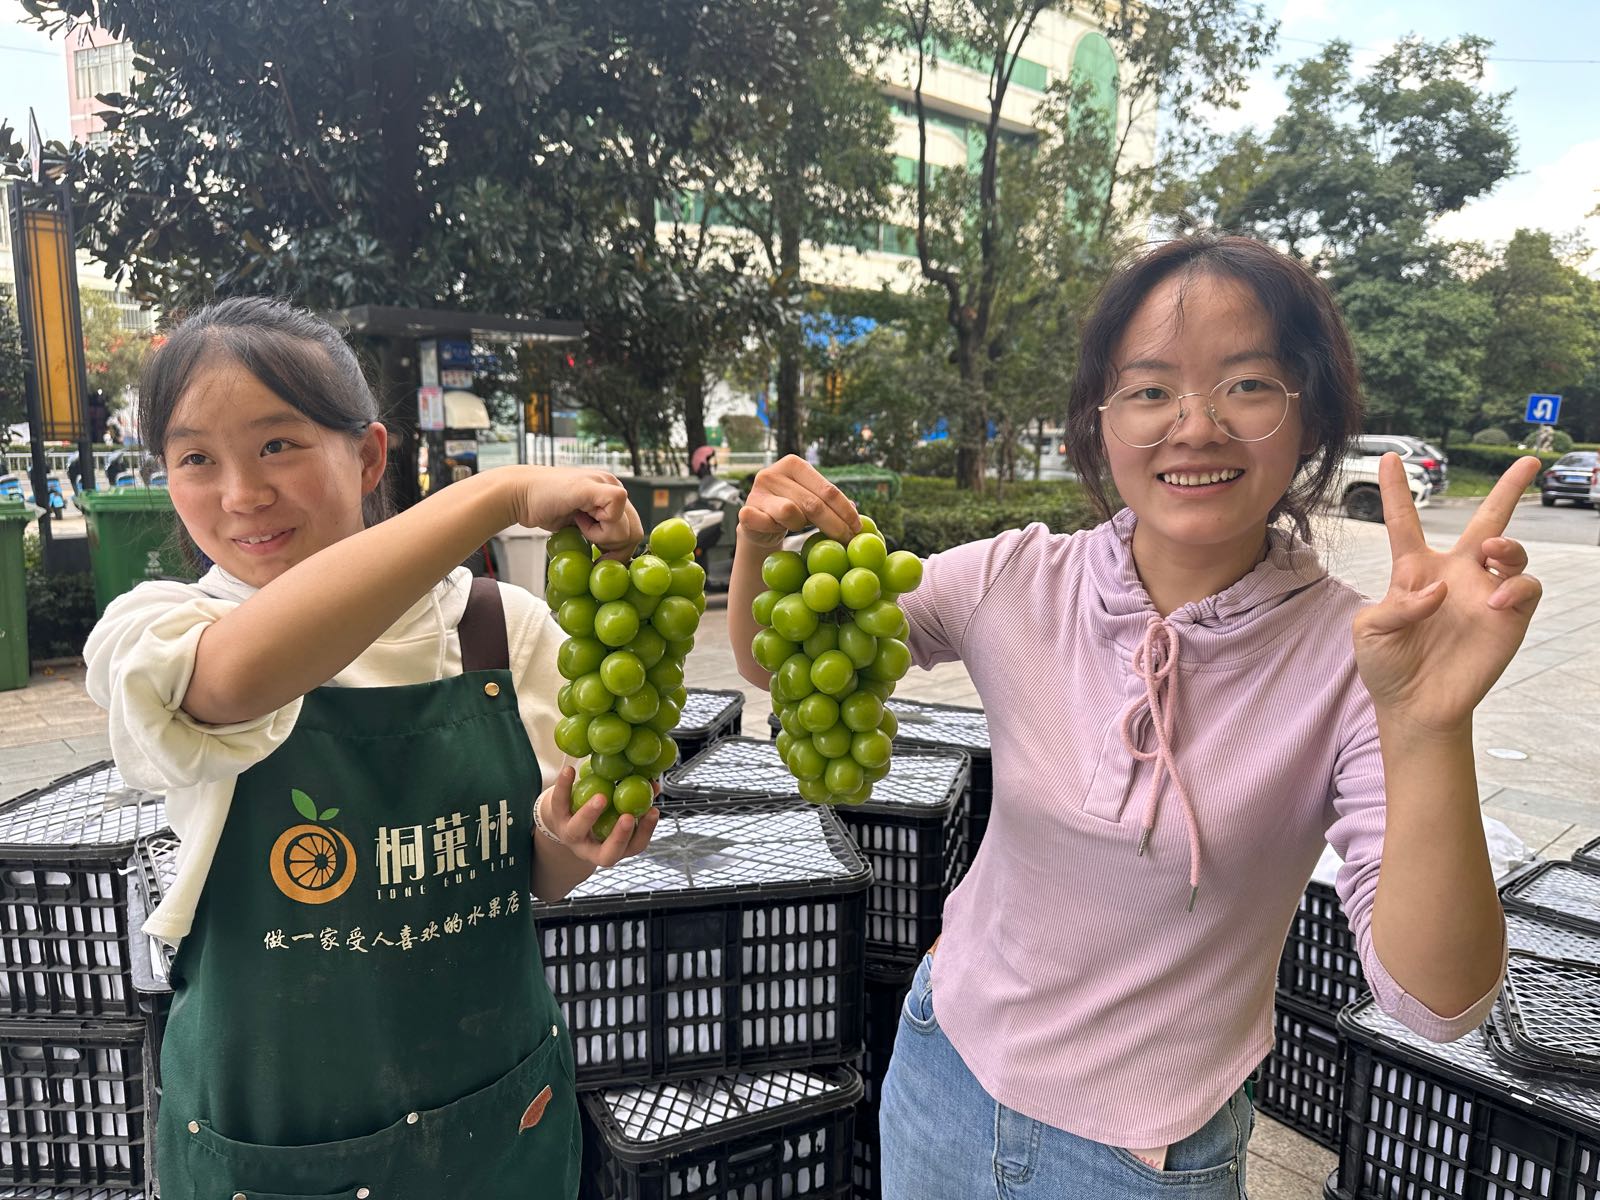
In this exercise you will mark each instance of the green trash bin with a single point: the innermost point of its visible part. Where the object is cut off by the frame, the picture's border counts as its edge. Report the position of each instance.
(14, 518)
(132, 538)
(658, 497)
(864, 483)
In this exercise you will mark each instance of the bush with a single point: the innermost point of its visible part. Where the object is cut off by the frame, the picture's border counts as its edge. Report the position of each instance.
(1561, 441)
(60, 606)
(1491, 437)
(934, 459)
(1495, 458)
(1458, 437)
(744, 433)
(934, 515)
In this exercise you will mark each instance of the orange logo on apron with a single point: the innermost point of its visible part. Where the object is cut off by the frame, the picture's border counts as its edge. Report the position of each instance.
(312, 863)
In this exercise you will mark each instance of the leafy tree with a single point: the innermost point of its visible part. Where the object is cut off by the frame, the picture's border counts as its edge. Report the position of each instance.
(815, 167)
(13, 397)
(1545, 335)
(1178, 55)
(478, 156)
(1421, 347)
(112, 355)
(1354, 169)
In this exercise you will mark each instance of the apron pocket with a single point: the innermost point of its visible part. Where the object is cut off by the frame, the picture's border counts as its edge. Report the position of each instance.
(487, 1144)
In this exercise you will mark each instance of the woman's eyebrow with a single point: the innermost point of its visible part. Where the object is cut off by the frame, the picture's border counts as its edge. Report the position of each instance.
(267, 422)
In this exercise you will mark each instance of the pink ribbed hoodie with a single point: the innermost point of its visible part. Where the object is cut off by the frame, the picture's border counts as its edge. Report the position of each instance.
(1073, 977)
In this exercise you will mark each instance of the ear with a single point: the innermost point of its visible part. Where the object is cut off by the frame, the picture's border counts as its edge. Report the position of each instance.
(373, 453)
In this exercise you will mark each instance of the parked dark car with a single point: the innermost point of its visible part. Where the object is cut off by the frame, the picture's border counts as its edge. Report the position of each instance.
(1568, 478)
(1414, 450)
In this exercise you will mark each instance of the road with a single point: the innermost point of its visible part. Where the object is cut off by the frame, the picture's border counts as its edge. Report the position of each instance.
(1532, 522)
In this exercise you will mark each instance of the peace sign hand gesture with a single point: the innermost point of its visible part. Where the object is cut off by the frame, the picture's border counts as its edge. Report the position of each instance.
(1449, 624)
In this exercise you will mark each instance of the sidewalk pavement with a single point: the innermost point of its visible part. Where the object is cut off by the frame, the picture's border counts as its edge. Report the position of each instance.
(1544, 710)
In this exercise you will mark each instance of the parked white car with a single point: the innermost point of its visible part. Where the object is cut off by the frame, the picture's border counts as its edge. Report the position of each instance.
(1355, 486)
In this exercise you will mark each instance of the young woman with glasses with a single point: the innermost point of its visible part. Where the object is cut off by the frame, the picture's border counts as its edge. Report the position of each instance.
(1183, 707)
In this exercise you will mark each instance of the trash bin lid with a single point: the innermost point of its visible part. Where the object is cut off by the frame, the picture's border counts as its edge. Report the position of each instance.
(122, 500)
(17, 509)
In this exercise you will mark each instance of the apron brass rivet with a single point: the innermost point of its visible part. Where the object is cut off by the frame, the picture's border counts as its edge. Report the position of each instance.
(194, 1126)
(411, 1118)
(555, 1031)
(491, 689)
(363, 1193)
(240, 1196)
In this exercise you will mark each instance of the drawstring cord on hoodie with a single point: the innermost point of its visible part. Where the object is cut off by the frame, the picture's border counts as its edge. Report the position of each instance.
(1155, 661)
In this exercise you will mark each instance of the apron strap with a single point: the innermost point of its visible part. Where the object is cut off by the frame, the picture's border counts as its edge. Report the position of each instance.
(482, 630)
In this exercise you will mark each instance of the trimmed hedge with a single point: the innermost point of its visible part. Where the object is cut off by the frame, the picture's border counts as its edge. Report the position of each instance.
(933, 514)
(1494, 459)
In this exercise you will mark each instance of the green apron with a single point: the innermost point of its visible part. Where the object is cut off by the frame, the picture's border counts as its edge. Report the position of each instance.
(360, 1009)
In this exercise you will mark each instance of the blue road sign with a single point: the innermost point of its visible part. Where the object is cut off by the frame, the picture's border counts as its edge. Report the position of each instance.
(1543, 410)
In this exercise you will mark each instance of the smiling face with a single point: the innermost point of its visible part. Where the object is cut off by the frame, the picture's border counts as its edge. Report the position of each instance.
(1201, 491)
(259, 485)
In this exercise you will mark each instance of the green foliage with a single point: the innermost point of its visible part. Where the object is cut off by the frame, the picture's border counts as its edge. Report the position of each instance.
(1421, 346)
(1561, 441)
(61, 608)
(1546, 331)
(744, 434)
(13, 397)
(1355, 168)
(1491, 437)
(1458, 437)
(935, 459)
(1494, 458)
(112, 355)
(934, 514)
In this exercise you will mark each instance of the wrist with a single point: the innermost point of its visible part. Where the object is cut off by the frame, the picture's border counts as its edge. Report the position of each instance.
(1398, 729)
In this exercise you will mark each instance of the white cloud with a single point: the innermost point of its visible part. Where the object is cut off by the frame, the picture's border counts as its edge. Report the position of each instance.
(1298, 12)
(1554, 196)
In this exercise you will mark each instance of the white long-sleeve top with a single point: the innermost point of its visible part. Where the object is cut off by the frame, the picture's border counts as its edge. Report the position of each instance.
(140, 659)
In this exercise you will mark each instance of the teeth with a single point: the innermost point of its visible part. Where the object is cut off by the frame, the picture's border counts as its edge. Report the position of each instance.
(1200, 480)
(256, 541)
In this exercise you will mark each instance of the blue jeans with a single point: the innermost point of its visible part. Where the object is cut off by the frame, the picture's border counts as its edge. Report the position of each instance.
(945, 1138)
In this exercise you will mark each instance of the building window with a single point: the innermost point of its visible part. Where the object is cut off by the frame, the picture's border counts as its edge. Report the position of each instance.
(100, 139)
(99, 70)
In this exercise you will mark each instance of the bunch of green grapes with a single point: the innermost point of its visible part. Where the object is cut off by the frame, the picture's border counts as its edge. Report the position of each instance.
(629, 628)
(834, 639)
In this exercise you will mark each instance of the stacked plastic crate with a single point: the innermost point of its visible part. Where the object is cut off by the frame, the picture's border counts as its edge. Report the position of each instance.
(1319, 973)
(73, 1040)
(1512, 1110)
(905, 834)
(712, 986)
(708, 716)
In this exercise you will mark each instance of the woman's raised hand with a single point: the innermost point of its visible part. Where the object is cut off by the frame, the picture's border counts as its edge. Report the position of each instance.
(1451, 621)
(792, 495)
(593, 500)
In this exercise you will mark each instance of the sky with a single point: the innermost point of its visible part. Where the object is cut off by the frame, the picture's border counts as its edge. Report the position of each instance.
(1555, 105)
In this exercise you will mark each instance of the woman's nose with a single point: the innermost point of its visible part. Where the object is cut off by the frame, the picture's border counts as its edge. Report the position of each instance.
(246, 491)
(1196, 425)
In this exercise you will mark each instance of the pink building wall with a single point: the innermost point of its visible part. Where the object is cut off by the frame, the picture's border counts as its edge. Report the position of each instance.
(85, 110)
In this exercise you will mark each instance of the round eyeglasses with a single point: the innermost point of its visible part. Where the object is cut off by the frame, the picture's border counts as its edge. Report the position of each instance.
(1248, 408)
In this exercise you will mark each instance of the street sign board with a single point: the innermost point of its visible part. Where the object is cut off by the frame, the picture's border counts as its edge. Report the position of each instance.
(428, 362)
(1542, 409)
(430, 409)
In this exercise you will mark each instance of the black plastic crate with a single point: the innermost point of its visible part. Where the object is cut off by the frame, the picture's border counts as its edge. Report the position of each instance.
(734, 942)
(153, 866)
(1320, 968)
(1541, 937)
(949, 727)
(708, 716)
(886, 994)
(903, 831)
(1551, 1011)
(1300, 1082)
(74, 1107)
(63, 894)
(726, 1137)
(1558, 892)
(1588, 855)
(1430, 1120)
